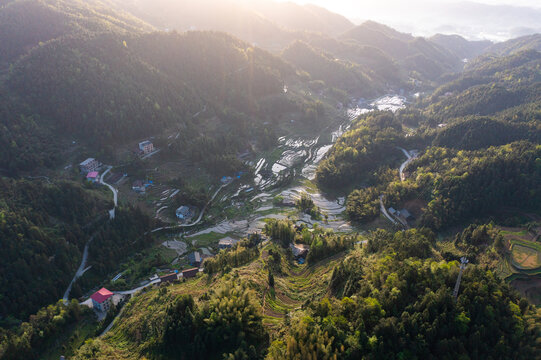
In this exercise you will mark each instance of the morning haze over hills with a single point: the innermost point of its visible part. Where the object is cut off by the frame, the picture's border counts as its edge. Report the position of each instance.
(270, 180)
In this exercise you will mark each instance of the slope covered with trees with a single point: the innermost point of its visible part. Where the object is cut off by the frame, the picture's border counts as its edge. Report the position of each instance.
(484, 162)
(334, 73)
(44, 229)
(389, 298)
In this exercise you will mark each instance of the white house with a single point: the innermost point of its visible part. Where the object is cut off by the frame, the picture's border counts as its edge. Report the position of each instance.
(102, 300)
(183, 213)
(146, 147)
(89, 165)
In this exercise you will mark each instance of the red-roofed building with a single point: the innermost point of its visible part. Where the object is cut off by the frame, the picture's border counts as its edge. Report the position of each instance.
(102, 299)
(93, 176)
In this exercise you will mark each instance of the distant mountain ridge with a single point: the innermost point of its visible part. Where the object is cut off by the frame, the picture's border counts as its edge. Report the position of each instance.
(460, 46)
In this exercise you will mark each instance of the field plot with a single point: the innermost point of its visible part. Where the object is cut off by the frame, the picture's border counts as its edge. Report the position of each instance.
(525, 257)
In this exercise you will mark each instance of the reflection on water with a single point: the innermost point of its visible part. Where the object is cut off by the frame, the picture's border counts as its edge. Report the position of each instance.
(309, 152)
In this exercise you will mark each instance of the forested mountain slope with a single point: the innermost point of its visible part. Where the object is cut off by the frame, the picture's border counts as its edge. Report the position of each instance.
(25, 24)
(516, 45)
(269, 24)
(322, 66)
(415, 54)
(108, 88)
(459, 46)
(461, 185)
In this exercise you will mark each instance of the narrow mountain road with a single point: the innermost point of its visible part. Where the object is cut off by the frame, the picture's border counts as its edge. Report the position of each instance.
(127, 292)
(84, 260)
(410, 157)
(115, 192)
(46, 178)
(137, 289)
(384, 211)
(79, 272)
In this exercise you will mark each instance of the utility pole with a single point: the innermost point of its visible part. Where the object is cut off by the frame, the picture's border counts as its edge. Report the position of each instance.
(463, 262)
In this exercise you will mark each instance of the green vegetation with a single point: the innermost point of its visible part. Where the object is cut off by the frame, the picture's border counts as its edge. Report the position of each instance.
(307, 206)
(390, 298)
(43, 230)
(242, 253)
(462, 185)
(33, 337)
(230, 326)
(370, 143)
(404, 308)
(83, 78)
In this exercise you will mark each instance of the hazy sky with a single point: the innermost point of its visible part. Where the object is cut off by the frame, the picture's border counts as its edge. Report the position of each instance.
(427, 17)
(353, 8)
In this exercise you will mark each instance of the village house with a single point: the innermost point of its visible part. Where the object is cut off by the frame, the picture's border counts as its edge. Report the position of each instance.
(102, 300)
(169, 277)
(405, 214)
(226, 180)
(146, 147)
(194, 259)
(139, 186)
(89, 165)
(184, 213)
(299, 250)
(226, 243)
(190, 273)
(93, 176)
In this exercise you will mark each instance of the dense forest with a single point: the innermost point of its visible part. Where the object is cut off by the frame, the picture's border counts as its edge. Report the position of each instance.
(463, 185)
(44, 231)
(223, 86)
(399, 305)
(484, 151)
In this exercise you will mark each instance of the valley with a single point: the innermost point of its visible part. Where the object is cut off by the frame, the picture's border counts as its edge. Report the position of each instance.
(263, 180)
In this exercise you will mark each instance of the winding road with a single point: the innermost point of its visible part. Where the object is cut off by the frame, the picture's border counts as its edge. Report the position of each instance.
(84, 260)
(115, 192)
(79, 272)
(410, 155)
(384, 211)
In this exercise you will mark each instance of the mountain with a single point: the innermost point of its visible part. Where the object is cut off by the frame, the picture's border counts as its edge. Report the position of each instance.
(271, 25)
(266, 130)
(302, 17)
(515, 45)
(25, 24)
(459, 46)
(414, 54)
(494, 103)
(323, 66)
